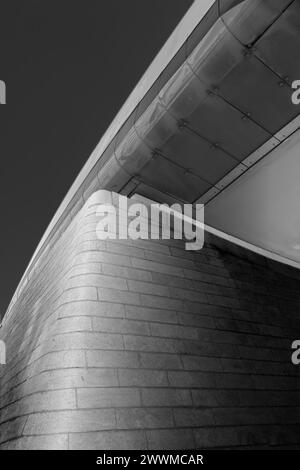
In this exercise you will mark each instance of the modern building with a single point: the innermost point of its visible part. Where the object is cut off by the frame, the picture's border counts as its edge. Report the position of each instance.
(140, 344)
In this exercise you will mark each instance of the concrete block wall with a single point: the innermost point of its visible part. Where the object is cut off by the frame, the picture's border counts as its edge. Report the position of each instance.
(143, 345)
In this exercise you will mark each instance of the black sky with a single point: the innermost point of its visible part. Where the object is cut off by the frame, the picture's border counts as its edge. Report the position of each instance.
(69, 66)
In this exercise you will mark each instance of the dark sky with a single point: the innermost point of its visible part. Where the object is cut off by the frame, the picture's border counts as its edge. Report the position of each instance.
(68, 66)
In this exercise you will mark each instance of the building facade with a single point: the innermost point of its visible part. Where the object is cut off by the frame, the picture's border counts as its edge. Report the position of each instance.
(140, 344)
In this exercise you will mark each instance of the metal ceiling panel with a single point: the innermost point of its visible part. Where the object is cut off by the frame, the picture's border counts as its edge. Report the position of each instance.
(186, 98)
(183, 94)
(249, 19)
(220, 122)
(215, 55)
(112, 176)
(156, 126)
(225, 5)
(255, 89)
(202, 158)
(173, 180)
(279, 47)
(131, 153)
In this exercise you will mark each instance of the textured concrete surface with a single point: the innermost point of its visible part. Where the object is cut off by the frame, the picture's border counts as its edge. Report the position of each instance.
(141, 344)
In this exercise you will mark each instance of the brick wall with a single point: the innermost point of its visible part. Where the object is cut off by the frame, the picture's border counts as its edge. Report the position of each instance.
(141, 344)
